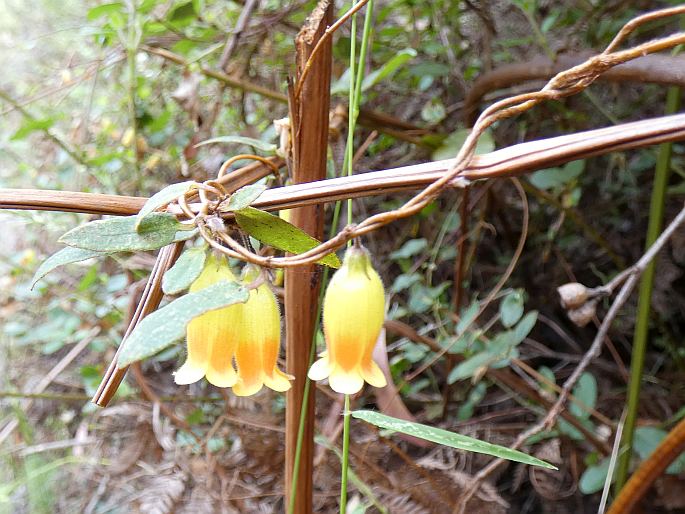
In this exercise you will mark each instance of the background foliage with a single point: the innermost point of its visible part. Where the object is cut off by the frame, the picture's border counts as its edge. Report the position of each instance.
(87, 105)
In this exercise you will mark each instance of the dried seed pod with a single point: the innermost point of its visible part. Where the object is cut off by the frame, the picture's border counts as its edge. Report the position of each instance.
(573, 295)
(583, 314)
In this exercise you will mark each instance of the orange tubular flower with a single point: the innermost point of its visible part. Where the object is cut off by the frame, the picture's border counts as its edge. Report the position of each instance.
(353, 314)
(211, 336)
(259, 340)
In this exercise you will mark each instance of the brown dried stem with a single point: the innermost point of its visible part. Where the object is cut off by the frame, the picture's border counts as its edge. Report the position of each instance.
(510, 161)
(152, 296)
(309, 121)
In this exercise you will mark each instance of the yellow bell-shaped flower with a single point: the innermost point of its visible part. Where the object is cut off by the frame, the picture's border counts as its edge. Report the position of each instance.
(259, 340)
(353, 314)
(211, 337)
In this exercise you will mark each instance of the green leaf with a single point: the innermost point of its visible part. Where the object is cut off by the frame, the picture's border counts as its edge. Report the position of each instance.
(243, 197)
(467, 316)
(404, 281)
(511, 308)
(186, 269)
(182, 13)
(593, 478)
(409, 249)
(555, 178)
(389, 68)
(475, 397)
(524, 327)
(168, 324)
(585, 391)
(274, 231)
(646, 441)
(549, 375)
(104, 10)
(242, 140)
(32, 125)
(64, 256)
(440, 436)
(502, 347)
(120, 235)
(469, 367)
(163, 197)
(452, 144)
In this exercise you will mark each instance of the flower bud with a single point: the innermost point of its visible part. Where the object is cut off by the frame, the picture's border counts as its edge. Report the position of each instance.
(259, 340)
(353, 315)
(211, 336)
(573, 295)
(583, 314)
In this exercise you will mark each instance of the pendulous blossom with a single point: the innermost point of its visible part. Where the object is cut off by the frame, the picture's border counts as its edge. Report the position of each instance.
(211, 337)
(353, 314)
(258, 343)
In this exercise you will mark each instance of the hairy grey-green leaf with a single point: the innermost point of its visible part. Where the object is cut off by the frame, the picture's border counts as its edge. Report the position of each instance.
(163, 197)
(468, 367)
(524, 327)
(593, 478)
(586, 392)
(119, 234)
(280, 234)
(167, 325)
(511, 308)
(66, 255)
(243, 197)
(446, 438)
(186, 269)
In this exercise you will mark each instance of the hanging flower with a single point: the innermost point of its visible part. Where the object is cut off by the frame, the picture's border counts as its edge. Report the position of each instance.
(353, 314)
(211, 336)
(258, 343)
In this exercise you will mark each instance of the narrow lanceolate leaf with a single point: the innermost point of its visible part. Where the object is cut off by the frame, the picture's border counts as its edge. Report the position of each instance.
(168, 324)
(161, 198)
(186, 269)
(242, 140)
(120, 235)
(64, 256)
(280, 234)
(389, 68)
(440, 436)
(243, 197)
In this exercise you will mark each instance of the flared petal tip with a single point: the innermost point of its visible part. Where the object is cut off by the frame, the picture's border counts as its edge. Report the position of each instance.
(278, 381)
(222, 378)
(373, 375)
(241, 388)
(188, 374)
(320, 369)
(346, 383)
